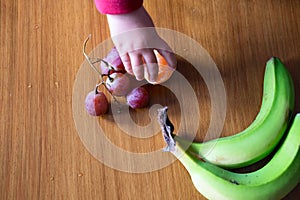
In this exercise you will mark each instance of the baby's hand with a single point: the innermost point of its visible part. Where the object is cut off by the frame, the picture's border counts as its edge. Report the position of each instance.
(135, 38)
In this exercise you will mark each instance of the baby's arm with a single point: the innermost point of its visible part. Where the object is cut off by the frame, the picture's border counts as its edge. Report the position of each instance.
(132, 45)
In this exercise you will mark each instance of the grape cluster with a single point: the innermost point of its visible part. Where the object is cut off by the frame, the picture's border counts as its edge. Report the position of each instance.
(118, 83)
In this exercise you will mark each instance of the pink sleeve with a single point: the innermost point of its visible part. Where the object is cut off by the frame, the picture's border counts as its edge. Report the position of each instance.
(117, 6)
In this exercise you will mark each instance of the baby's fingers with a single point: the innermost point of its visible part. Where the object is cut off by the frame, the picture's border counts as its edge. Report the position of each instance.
(151, 65)
(127, 63)
(137, 66)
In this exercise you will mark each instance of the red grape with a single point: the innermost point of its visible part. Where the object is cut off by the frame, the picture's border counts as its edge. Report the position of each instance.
(118, 84)
(113, 58)
(96, 103)
(138, 98)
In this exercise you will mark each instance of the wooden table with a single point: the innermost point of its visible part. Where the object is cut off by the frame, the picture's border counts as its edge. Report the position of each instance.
(41, 153)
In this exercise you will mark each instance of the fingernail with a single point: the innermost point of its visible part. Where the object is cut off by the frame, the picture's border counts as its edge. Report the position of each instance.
(152, 79)
(139, 78)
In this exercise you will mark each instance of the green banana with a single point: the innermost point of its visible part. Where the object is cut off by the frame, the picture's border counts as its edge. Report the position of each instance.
(273, 181)
(261, 137)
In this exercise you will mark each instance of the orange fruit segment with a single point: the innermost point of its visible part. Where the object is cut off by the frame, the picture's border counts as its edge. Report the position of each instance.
(164, 70)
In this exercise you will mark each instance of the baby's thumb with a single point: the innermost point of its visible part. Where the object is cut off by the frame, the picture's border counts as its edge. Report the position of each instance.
(170, 58)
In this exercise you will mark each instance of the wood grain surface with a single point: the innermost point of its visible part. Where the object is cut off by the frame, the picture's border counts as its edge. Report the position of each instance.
(41, 153)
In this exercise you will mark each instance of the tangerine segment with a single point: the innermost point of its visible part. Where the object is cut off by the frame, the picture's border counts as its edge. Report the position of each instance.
(164, 70)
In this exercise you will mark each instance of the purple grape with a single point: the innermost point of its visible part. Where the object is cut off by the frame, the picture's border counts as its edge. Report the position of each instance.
(138, 98)
(118, 84)
(96, 103)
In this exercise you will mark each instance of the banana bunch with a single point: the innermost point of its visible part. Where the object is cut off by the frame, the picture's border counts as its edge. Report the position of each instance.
(207, 162)
(261, 137)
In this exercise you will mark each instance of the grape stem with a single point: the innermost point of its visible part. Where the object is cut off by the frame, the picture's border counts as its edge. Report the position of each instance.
(96, 88)
(102, 82)
(89, 59)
